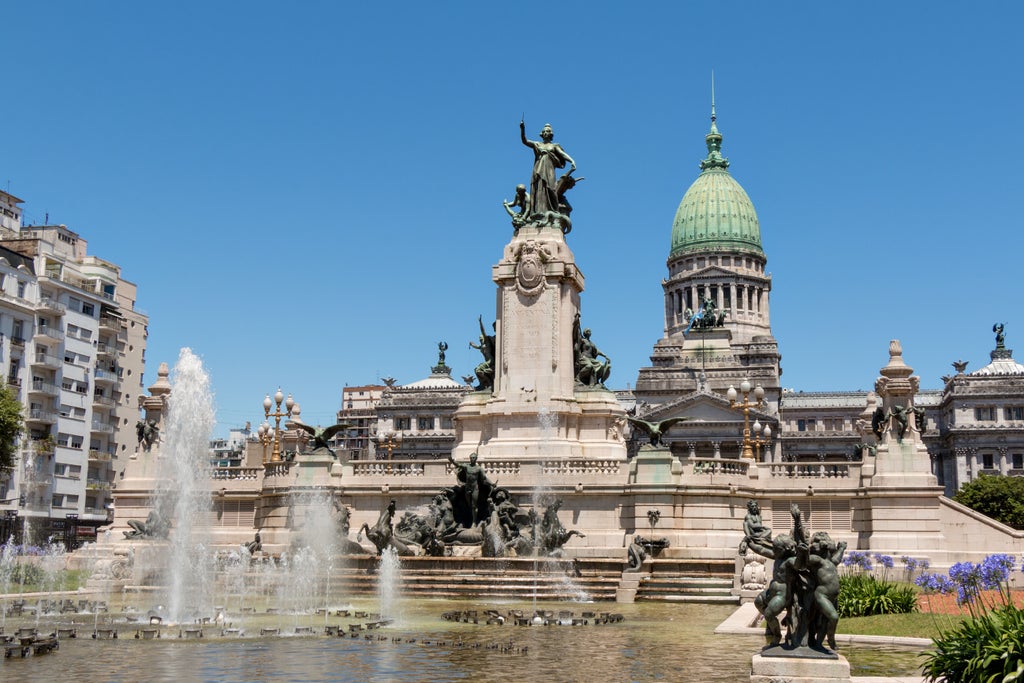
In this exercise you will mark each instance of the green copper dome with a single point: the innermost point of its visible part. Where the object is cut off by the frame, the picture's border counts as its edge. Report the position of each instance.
(716, 214)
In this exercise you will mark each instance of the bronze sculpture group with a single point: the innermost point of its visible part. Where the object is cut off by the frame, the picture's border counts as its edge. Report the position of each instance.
(474, 512)
(804, 584)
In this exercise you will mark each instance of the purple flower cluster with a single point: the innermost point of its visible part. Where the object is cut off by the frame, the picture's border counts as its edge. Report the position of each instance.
(884, 560)
(858, 559)
(910, 564)
(935, 583)
(995, 570)
(17, 549)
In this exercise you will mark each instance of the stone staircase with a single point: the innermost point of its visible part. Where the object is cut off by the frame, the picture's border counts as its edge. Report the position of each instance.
(671, 580)
(477, 578)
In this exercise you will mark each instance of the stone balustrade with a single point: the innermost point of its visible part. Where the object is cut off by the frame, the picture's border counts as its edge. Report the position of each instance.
(581, 466)
(817, 470)
(235, 473)
(395, 468)
(699, 466)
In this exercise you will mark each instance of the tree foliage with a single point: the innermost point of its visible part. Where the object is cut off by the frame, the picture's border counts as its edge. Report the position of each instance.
(998, 497)
(11, 422)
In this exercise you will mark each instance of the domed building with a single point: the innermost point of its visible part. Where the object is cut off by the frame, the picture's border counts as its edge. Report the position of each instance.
(717, 324)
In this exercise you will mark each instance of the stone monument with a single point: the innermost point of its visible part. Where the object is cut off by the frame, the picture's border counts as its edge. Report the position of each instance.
(541, 393)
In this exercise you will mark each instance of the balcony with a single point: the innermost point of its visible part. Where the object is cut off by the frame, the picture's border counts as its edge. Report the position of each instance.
(97, 485)
(47, 333)
(103, 427)
(41, 386)
(46, 360)
(99, 456)
(43, 446)
(48, 305)
(105, 376)
(108, 351)
(104, 401)
(110, 324)
(39, 416)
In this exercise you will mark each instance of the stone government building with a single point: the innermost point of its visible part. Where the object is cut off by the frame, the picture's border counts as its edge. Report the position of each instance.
(870, 468)
(975, 425)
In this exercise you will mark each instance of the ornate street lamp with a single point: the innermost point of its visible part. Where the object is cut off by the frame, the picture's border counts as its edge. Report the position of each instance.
(745, 406)
(275, 455)
(265, 434)
(389, 441)
(762, 437)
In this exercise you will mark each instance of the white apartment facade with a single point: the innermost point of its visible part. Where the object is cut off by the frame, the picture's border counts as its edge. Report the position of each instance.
(73, 346)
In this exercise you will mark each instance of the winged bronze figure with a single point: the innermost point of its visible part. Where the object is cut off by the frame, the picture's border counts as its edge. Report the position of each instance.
(655, 430)
(321, 437)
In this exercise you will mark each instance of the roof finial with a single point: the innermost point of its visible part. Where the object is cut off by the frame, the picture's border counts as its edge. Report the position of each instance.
(714, 138)
(713, 117)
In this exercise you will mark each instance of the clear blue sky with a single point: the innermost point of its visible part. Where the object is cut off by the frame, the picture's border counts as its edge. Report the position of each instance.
(309, 194)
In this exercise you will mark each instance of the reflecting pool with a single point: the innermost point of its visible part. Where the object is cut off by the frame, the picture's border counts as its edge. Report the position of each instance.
(655, 642)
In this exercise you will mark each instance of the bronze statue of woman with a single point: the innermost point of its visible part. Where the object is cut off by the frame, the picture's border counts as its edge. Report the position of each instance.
(547, 156)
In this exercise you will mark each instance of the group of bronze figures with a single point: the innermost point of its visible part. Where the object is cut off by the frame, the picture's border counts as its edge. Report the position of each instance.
(591, 366)
(804, 584)
(545, 203)
(474, 512)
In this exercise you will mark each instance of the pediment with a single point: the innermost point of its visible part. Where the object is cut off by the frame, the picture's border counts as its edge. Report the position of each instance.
(703, 406)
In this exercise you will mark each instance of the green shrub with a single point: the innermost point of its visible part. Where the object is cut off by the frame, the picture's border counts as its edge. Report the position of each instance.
(26, 573)
(998, 497)
(987, 647)
(863, 595)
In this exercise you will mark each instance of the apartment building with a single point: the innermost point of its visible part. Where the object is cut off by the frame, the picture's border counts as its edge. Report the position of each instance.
(73, 345)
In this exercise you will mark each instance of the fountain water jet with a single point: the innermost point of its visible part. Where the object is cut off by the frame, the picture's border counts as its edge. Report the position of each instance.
(389, 584)
(183, 496)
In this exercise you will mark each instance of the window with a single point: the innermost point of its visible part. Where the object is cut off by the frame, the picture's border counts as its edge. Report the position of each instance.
(1018, 461)
(21, 289)
(1014, 413)
(403, 422)
(801, 425)
(446, 423)
(88, 309)
(985, 414)
(425, 423)
(986, 461)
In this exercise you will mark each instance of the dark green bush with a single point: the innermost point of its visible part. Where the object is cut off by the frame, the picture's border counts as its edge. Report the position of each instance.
(26, 573)
(988, 647)
(998, 497)
(862, 595)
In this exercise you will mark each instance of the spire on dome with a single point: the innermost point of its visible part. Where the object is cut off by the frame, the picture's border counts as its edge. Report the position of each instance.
(714, 138)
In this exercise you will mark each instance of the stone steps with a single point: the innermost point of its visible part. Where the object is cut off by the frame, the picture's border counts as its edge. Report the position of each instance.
(686, 588)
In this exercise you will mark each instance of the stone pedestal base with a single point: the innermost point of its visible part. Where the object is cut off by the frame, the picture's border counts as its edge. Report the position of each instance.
(799, 670)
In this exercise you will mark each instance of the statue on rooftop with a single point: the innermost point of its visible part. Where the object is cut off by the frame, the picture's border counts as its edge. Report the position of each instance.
(1000, 337)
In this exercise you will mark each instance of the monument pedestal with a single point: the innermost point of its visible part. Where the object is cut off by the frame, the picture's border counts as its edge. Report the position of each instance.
(536, 408)
(799, 670)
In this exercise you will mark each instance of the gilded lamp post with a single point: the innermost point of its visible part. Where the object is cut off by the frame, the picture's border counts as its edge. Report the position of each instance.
(389, 441)
(265, 435)
(745, 406)
(275, 455)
